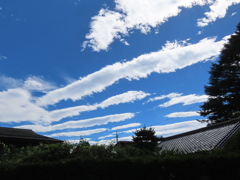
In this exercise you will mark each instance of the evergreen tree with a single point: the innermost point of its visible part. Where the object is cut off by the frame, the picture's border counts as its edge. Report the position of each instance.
(224, 83)
(145, 138)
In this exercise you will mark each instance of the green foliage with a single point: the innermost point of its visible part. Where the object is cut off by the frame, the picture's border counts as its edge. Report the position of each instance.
(233, 144)
(224, 83)
(145, 138)
(120, 164)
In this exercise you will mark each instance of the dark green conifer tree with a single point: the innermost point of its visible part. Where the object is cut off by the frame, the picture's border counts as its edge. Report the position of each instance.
(145, 138)
(224, 83)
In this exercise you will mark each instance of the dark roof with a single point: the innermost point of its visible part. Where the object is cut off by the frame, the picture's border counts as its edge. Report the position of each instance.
(23, 134)
(207, 138)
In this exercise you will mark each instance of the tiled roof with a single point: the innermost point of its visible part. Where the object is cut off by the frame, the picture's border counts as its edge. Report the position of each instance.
(207, 138)
(24, 134)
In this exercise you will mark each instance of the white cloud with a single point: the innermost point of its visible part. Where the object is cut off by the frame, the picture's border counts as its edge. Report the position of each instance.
(170, 96)
(126, 126)
(128, 138)
(2, 57)
(143, 15)
(104, 28)
(163, 61)
(32, 83)
(186, 100)
(177, 128)
(182, 114)
(16, 105)
(129, 96)
(217, 10)
(19, 105)
(107, 136)
(80, 123)
(135, 14)
(9, 83)
(234, 13)
(166, 130)
(79, 133)
(37, 84)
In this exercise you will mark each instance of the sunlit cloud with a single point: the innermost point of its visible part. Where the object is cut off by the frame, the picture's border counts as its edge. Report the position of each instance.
(170, 96)
(128, 97)
(108, 136)
(135, 14)
(78, 133)
(16, 105)
(217, 10)
(126, 126)
(182, 114)
(162, 61)
(80, 123)
(34, 83)
(177, 128)
(110, 25)
(185, 100)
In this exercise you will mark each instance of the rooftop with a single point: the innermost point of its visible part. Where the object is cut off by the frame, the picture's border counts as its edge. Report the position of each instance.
(203, 139)
(23, 134)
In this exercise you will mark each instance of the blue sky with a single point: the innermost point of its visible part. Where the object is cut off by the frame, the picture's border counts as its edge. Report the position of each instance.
(91, 68)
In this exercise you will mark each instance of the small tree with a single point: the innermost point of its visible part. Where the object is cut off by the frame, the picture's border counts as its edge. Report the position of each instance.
(224, 83)
(145, 138)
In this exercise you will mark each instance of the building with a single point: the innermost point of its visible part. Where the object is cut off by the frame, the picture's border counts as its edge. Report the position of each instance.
(203, 139)
(23, 137)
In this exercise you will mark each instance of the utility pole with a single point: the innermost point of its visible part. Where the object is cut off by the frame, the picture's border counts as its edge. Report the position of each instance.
(116, 137)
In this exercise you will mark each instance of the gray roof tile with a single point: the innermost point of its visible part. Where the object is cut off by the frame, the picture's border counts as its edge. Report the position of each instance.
(15, 133)
(203, 139)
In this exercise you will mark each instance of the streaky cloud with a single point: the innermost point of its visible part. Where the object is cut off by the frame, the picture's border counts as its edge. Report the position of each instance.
(135, 14)
(162, 61)
(80, 123)
(78, 133)
(126, 126)
(177, 128)
(217, 10)
(183, 114)
(185, 100)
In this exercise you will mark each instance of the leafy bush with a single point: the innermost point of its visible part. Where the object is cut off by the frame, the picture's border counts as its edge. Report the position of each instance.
(233, 144)
(82, 161)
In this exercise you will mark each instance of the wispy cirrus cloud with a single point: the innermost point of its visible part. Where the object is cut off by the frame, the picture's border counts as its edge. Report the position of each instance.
(163, 61)
(32, 83)
(2, 57)
(127, 97)
(80, 123)
(177, 128)
(18, 105)
(218, 9)
(170, 96)
(110, 25)
(182, 114)
(162, 130)
(185, 100)
(135, 14)
(78, 133)
(126, 126)
(108, 136)
(170, 58)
